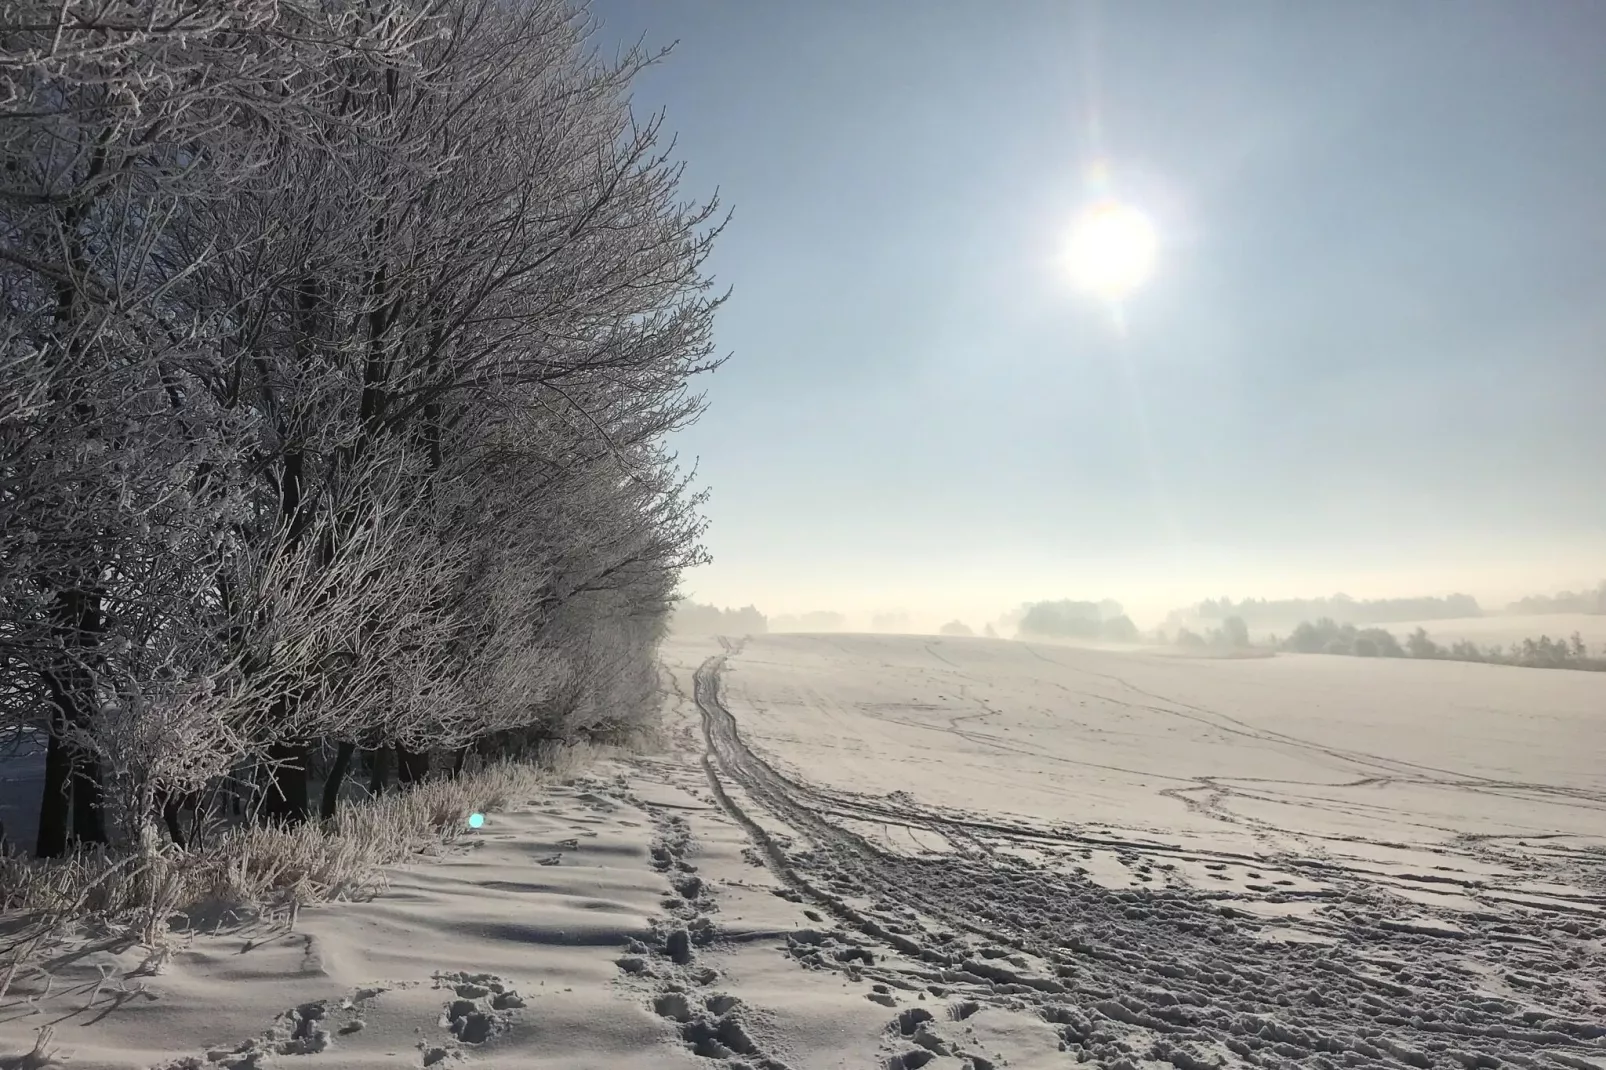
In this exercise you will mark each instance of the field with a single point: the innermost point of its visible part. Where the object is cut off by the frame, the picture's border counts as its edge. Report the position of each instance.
(1283, 756)
(1185, 860)
(901, 851)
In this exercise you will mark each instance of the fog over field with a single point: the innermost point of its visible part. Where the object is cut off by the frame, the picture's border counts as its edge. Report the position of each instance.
(1512, 628)
(875, 535)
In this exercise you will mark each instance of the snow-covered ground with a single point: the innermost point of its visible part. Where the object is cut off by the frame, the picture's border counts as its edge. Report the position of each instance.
(894, 852)
(1296, 756)
(507, 945)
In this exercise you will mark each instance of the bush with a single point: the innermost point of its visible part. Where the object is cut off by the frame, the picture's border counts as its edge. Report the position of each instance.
(1381, 643)
(1418, 645)
(955, 627)
(1190, 640)
(1119, 629)
(1231, 637)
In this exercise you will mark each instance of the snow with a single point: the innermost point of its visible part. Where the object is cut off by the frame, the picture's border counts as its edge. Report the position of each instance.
(884, 851)
(1389, 761)
(484, 951)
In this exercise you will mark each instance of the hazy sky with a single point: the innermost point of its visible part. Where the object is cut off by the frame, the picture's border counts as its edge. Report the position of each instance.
(1372, 357)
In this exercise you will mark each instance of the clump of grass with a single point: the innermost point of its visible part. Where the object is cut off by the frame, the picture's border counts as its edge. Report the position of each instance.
(146, 891)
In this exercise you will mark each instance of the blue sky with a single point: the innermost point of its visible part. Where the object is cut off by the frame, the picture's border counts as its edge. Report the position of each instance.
(1372, 357)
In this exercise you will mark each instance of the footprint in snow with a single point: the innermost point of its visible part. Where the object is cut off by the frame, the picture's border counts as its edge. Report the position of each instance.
(712, 1027)
(480, 1008)
(306, 1029)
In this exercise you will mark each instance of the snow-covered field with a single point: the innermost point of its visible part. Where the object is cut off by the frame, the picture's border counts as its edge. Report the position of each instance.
(1295, 756)
(894, 852)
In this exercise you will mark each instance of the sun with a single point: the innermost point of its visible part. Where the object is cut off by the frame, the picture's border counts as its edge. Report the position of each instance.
(1111, 250)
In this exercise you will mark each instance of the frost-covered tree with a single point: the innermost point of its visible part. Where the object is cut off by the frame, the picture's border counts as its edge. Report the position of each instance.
(123, 477)
(340, 342)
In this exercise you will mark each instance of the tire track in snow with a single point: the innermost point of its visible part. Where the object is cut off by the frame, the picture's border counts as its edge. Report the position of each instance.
(1165, 975)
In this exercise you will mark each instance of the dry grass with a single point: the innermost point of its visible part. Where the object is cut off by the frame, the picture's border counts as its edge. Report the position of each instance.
(146, 892)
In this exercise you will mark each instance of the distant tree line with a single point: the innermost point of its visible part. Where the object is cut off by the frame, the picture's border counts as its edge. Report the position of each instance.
(821, 620)
(1067, 618)
(1260, 613)
(339, 344)
(1327, 636)
(1566, 602)
(1232, 635)
(694, 618)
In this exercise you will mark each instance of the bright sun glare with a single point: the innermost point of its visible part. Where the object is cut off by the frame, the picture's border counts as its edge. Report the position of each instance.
(1111, 250)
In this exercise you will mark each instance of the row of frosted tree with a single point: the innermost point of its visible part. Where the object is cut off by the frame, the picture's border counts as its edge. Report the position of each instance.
(339, 344)
(695, 618)
(1270, 613)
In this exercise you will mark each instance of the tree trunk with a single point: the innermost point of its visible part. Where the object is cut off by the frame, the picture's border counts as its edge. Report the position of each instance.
(378, 770)
(460, 760)
(215, 801)
(88, 809)
(78, 791)
(411, 766)
(285, 795)
(54, 802)
(171, 809)
(79, 620)
(337, 776)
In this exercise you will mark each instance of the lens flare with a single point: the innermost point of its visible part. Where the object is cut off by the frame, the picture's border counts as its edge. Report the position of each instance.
(476, 820)
(1111, 250)
(1098, 177)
